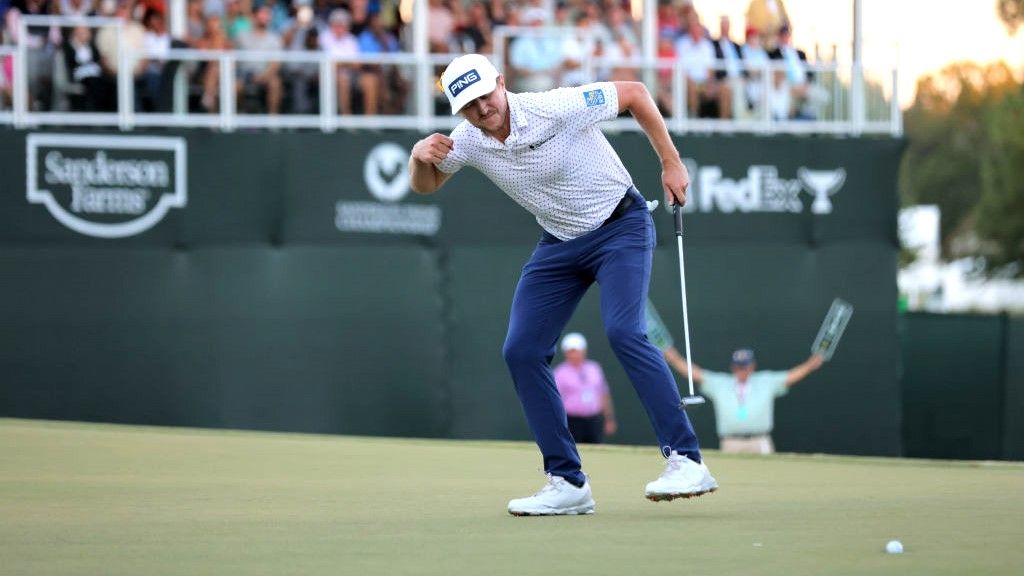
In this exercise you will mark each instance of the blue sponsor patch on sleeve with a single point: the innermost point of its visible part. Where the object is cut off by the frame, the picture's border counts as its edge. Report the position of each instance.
(593, 97)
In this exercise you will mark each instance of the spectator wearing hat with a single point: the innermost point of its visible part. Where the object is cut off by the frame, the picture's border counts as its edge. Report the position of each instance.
(584, 391)
(339, 42)
(744, 398)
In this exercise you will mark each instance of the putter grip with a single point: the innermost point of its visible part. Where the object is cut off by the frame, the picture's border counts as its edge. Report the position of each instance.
(677, 212)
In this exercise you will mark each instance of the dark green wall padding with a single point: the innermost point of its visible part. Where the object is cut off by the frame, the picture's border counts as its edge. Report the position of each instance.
(249, 309)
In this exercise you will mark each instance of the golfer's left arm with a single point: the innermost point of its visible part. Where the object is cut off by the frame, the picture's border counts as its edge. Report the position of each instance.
(803, 370)
(633, 96)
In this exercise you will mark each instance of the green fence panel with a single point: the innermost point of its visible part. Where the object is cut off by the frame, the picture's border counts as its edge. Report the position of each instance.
(306, 338)
(1013, 416)
(953, 386)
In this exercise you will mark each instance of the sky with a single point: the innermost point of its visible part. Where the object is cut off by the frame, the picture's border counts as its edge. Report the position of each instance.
(917, 36)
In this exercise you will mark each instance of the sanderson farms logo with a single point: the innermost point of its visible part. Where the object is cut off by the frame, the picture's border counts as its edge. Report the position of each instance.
(761, 189)
(386, 174)
(106, 186)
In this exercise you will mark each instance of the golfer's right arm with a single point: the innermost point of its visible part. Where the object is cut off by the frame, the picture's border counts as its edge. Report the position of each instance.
(424, 176)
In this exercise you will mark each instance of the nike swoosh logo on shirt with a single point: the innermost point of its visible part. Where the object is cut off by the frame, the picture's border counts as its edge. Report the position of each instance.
(541, 143)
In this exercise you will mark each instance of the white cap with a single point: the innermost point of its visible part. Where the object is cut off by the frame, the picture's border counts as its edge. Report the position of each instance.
(468, 78)
(573, 341)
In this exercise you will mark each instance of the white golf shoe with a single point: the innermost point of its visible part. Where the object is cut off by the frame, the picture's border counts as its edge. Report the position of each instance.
(682, 478)
(557, 497)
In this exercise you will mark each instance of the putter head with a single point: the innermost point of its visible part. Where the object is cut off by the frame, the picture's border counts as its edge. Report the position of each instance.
(691, 401)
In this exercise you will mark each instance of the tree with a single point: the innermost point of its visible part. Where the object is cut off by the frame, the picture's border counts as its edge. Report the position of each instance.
(947, 134)
(1011, 12)
(1000, 213)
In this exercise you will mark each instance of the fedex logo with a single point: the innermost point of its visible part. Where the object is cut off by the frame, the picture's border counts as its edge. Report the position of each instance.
(460, 83)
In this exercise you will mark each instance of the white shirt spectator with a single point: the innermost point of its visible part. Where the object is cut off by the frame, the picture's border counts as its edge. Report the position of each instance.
(698, 57)
(343, 46)
(556, 162)
(157, 46)
(796, 71)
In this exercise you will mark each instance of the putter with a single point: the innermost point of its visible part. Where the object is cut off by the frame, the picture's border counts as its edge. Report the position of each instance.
(691, 399)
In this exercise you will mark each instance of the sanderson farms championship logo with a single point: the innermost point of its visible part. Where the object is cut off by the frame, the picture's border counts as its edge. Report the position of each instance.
(106, 186)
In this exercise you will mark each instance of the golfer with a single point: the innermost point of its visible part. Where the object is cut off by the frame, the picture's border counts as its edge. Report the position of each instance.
(547, 153)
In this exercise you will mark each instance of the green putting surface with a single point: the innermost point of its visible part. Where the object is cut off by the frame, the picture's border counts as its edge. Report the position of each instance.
(99, 499)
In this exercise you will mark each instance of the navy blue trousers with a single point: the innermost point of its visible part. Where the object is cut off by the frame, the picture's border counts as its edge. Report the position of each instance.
(618, 257)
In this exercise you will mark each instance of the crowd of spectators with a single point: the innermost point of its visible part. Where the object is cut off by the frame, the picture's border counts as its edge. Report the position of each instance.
(74, 68)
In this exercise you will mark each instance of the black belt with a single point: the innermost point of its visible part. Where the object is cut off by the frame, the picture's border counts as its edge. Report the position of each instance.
(620, 209)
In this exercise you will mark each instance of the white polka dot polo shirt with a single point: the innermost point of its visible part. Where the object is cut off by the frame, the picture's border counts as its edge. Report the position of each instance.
(556, 162)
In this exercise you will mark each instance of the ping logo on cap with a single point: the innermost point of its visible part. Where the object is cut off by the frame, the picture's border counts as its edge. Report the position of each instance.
(462, 82)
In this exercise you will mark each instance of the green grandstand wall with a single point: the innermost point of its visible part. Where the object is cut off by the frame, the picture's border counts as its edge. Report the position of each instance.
(290, 281)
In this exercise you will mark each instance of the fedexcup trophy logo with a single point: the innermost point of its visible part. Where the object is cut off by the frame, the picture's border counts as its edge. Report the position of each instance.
(822, 184)
(386, 174)
(106, 186)
(761, 189)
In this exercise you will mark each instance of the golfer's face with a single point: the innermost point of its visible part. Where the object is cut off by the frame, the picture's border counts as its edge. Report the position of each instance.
(488, 111)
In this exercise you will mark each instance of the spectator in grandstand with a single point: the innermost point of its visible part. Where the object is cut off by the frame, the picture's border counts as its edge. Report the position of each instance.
(338, 42)
(195, 23)
(261, 76)
(729, 55)
(359, 10)
(706, 96)
(767, 17)
(669, 25)
(76, 8)
(576, 48)
(585, 394)
(305, 19)
(153, 85)
(238, 20)
(89, 91)
(107, 43)
(805, 96)
(599, 30)
(621, 24)
(304, 77)
(214, 38)
(535, 59)
(214, 8)
(666, 51)
(42, 42)
(280, 15)
(441, 29)
(476, 36)
(376, 39)
(755, 62)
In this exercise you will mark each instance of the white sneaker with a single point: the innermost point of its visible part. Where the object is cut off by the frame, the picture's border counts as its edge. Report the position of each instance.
(557, 497)
(682, 478)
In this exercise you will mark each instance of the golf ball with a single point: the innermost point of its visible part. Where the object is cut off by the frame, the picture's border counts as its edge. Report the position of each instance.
(894, 547)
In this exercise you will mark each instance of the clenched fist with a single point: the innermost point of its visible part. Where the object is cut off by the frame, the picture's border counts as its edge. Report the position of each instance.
(432, 149)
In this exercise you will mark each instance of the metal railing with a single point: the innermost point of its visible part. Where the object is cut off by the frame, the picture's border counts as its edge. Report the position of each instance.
(837, 117)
